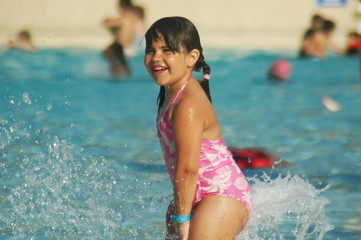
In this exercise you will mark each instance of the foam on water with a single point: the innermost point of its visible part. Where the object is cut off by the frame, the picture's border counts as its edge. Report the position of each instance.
(64, 197)
(50, 188)
(284, 203)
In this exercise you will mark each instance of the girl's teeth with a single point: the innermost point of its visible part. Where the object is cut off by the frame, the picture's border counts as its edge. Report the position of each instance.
(159, 68)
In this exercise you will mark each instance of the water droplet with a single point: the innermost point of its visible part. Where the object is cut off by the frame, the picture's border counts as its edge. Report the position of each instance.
(13, 128)
(26, 98)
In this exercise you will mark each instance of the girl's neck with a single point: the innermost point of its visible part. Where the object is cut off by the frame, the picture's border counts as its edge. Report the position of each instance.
(173, 89)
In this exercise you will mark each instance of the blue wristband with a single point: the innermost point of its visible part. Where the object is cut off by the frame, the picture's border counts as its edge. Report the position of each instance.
(180, 219)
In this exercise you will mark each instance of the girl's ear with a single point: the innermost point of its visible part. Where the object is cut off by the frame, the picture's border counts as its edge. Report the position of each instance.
(193, 57)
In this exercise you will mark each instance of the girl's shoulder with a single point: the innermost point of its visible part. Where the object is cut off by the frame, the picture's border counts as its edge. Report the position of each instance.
(193, 99)
(186, 103)
(193, 102)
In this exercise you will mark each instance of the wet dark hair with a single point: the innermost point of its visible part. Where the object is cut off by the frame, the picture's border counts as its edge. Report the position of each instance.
(317, 17)
(179, 33)
(328, 26)
(125, 3)
(25, 34)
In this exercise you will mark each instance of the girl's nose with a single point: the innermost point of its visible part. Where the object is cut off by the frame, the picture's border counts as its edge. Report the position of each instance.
(156, 56)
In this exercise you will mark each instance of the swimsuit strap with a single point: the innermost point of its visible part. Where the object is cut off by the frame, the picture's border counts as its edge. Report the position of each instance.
(181, 89)
(176, 96)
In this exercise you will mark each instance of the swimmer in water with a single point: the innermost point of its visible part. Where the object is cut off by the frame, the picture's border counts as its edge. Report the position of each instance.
(317, 44)
(126, 30)
(212, 197)
(316, 25)
(353, 45)
(22, 42)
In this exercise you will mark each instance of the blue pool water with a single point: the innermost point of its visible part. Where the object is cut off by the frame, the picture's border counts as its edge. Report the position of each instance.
(79, 157)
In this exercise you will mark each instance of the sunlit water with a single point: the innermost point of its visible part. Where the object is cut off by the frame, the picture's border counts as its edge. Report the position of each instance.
(79, 157)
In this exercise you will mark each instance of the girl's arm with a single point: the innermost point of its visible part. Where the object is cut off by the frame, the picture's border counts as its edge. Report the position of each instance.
(187, 125)
(336, 48)
(112, 22)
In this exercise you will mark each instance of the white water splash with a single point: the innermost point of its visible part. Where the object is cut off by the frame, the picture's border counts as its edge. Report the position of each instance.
(286, 203)
(26, 98)
(62, 197)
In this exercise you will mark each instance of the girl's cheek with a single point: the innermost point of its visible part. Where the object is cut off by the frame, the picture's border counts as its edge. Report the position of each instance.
(146, 61)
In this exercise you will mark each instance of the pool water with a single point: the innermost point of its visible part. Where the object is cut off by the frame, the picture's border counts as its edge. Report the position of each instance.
(79, 156)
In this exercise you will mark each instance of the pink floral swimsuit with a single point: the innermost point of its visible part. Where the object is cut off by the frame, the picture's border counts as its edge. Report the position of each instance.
(218, 173)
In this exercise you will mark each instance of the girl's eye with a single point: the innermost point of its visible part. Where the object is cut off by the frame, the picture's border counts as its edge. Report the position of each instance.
(167, 50)
(149, 51)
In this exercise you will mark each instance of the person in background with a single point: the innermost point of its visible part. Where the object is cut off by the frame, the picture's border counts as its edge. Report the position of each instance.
(132, 27)
(353, 43)
(118, 65)
(23, 42)
(316, 24)
(212, 197)
(317, 44)
(126, 31)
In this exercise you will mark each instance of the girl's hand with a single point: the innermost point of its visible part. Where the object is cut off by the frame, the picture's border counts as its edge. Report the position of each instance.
(171, 228)
(183, 230)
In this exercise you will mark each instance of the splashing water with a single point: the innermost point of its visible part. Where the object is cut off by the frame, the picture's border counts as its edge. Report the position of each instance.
(282, 204)
(51, 189)
(58, 192)
(64, 199)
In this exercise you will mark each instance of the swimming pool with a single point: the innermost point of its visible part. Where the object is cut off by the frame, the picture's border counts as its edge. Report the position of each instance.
(79, 157)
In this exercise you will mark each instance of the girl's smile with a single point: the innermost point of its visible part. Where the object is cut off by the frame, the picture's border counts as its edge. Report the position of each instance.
(159, 69)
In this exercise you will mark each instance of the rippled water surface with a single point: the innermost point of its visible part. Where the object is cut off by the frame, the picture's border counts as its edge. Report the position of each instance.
(79, 157)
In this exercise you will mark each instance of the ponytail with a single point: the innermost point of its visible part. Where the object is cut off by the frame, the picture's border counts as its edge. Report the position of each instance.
(161, 97)
(206, 73)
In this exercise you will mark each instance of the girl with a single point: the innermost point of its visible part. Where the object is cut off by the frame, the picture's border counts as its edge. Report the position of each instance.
(211, 195)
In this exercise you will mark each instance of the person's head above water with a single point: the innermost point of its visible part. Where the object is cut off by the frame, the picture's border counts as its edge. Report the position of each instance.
(328, 26)
(125, 3)
(25, 35)
(317, 22)
(179, 35)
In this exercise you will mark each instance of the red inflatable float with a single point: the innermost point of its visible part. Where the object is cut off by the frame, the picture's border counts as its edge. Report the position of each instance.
(256, 158)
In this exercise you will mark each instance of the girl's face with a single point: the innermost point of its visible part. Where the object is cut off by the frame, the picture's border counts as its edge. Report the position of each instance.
(166, 67)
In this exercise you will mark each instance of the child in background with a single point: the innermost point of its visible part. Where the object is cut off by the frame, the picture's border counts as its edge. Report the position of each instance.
(22, 42)
(353, 43)
(126, 30)
(317, 22)
(317, 44)
(212, 197)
